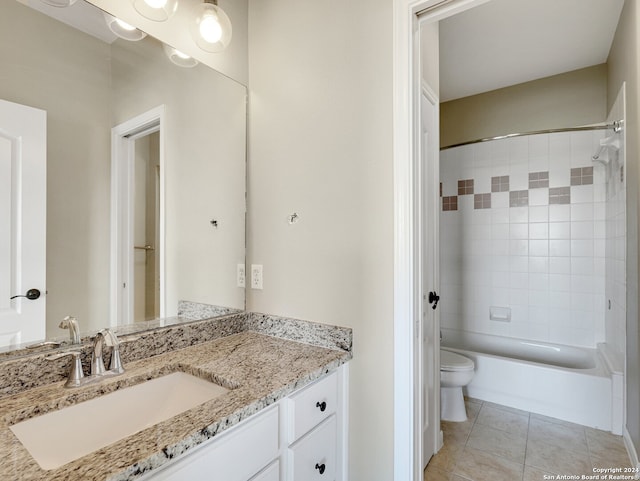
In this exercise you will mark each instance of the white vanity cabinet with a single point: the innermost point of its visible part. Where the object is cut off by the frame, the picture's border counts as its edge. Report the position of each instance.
(300, 438)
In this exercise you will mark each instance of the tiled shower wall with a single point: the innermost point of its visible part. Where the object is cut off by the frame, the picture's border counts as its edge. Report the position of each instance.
(523, 227)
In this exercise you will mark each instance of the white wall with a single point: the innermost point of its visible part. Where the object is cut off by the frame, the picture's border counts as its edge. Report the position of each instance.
(542, 260)
(321, 145)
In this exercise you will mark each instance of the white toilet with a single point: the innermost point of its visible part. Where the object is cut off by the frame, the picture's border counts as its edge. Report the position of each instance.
(456, 371)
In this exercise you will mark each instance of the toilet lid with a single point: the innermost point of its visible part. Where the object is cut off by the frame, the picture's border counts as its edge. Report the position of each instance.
(450, 361)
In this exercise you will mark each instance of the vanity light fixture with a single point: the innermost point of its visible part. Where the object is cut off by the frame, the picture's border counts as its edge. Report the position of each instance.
(59, 3)
(156, 10)
(179, 58)
(210, 27)
(123, 29)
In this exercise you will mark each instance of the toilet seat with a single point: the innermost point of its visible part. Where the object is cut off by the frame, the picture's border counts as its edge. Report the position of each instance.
(452, 362)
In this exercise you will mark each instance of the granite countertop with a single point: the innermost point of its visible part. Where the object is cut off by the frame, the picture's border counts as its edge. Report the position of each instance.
(258, 369)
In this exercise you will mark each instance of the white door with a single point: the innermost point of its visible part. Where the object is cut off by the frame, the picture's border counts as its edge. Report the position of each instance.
(23, 192)
(430, 348)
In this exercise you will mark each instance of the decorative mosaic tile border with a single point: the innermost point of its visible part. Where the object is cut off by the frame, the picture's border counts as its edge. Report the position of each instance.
(518, 198)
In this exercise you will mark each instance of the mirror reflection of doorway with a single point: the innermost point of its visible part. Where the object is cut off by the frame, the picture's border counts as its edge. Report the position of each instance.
(137, 219)
(146, 215)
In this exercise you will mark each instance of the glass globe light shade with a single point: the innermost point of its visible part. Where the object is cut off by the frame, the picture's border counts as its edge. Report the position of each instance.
(211, 28)
(59, 3)
(179, 58)
(156, 10)
(123, 29)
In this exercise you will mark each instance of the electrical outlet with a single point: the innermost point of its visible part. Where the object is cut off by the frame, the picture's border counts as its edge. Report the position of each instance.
(256, 276)
(241, 275)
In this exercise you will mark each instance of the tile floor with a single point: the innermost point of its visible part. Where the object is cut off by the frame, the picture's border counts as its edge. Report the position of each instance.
(498, 443)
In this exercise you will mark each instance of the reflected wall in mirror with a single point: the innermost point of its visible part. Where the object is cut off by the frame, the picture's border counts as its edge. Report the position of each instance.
(88, 85)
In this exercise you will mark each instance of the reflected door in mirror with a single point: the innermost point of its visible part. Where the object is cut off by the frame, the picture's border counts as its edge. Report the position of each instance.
(146, 228)
(23, 132)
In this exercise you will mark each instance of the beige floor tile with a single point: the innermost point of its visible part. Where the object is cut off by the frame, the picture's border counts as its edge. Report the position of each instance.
(608, 463)
(473, 408)
(481, 466)
(557, 460)
(435, 474)
(447, 457)
(534, 474)
(506, 408)
(604, 445)
(554, 420)
(456, 432)
(501, 443)
(504, 420)
(455, 477)
(564, 436)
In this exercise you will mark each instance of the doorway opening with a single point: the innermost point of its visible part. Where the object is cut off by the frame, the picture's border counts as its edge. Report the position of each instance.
(137, 252)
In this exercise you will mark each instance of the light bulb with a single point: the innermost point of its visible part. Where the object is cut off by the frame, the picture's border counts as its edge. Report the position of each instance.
(210, 28)
(156, 10)
(179, 58)
(123, 29)
(125, 25)
(156, 3)
(59, 3)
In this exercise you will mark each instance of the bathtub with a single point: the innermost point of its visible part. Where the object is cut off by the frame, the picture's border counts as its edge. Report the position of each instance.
(564, 382)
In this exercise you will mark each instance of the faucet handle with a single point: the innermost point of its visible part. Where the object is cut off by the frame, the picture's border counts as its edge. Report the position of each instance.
(76, 374)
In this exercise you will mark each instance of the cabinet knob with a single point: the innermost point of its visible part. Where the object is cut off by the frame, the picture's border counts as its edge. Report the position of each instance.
(322, 405)
(320, 467)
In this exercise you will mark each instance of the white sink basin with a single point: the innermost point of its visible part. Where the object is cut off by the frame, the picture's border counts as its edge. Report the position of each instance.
(58, 437)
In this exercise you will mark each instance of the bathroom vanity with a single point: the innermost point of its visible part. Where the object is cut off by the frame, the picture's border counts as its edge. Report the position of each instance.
(300, 437)
(280, 416)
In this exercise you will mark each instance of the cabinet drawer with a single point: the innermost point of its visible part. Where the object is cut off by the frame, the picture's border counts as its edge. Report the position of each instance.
(312, 405)
(270, 473)
(313, 457)
(235, 455)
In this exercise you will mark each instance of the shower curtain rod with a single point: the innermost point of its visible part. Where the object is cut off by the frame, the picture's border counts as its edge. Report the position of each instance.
(616, 126)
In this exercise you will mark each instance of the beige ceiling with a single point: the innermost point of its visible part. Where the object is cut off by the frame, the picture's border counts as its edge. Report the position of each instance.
(507, 42)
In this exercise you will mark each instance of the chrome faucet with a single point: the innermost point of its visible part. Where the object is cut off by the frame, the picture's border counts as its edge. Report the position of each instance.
(76, 376)
(106, 336)
(97, 364)
(110, 339)
(71, 323)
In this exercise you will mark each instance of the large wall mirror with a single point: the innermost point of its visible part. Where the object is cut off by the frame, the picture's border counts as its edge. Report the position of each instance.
(187, 175)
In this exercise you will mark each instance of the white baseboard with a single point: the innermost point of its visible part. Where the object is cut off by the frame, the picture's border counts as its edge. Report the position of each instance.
(631, 450)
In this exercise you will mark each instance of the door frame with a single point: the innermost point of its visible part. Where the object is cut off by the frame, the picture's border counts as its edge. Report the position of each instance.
(407, 86)
(123, 137)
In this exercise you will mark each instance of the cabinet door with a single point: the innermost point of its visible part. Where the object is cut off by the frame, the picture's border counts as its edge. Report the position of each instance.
(235, 455)
(313, 457)
(270, 473)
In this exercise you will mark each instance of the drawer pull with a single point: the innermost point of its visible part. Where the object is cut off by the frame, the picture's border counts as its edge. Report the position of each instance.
(322, 405)
(320, 467)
